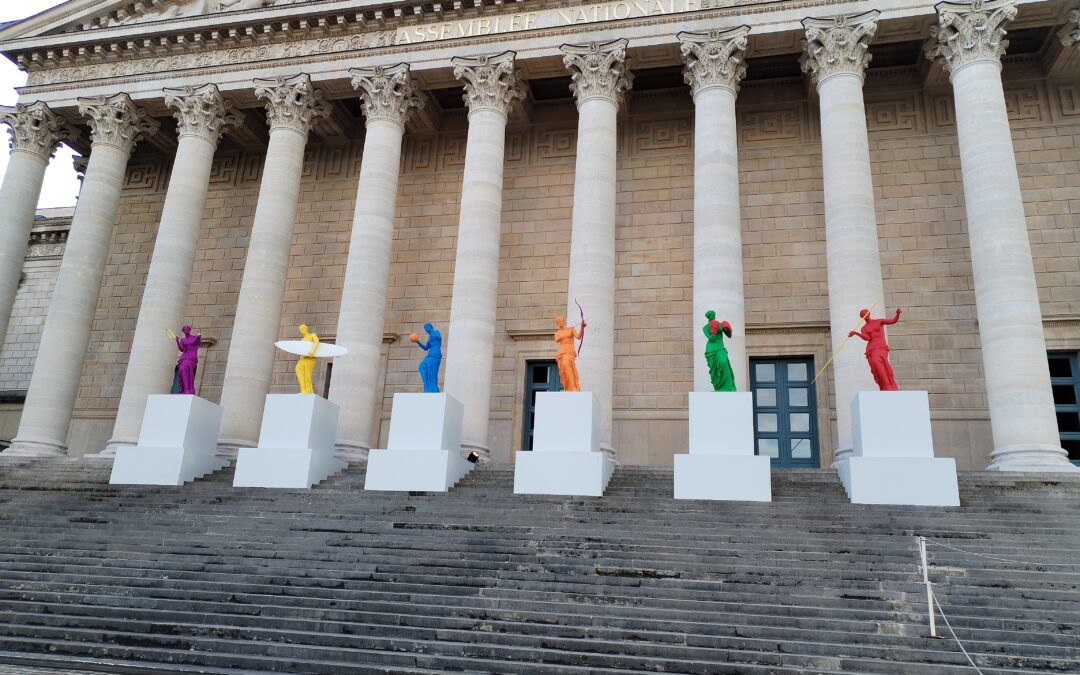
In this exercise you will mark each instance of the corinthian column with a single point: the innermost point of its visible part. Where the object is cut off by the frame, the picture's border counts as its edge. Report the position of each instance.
(491, 86)
(202, 115)
(36, 131)
(117, 125)
(599, 81)
(714, 68)
(836, 58)
(969, 41)
(292, 106)
(387, 95)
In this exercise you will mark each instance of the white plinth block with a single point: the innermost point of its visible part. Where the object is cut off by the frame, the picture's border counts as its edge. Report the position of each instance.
(722, 423)
(893, 457)
(296, 444)
(891, 424)
(566, 457)
(723, 477)
(424, 452)
(177, 443)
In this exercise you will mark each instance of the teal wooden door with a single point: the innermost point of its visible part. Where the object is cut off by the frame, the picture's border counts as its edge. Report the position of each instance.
(785, 411)
(539, 376)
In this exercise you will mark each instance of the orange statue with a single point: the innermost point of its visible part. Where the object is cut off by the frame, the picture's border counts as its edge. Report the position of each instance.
(566, 355)
(305, 365)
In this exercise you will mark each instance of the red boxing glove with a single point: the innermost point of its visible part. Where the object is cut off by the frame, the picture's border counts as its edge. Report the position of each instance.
(727, 328)
(714, 326)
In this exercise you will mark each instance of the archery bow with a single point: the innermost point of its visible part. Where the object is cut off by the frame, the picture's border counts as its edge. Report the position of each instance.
(582, 313)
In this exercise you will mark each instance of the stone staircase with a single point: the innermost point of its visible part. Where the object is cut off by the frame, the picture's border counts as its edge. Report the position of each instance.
(212, 579)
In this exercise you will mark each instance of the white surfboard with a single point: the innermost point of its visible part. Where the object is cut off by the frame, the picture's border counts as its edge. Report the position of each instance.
(301, 348)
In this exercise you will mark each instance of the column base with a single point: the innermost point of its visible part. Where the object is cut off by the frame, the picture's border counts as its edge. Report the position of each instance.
(840, 455)
(27, 448)
(112, 447)
(230, 448)
(351, 452)
(1032, 458)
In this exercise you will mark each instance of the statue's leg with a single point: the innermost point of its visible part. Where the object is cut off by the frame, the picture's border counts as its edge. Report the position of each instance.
(187, 378)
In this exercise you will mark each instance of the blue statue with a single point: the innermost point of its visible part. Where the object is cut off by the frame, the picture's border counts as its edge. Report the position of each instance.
(429, 367)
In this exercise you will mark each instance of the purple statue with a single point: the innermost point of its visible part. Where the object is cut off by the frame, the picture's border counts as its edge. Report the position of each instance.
(184, 383)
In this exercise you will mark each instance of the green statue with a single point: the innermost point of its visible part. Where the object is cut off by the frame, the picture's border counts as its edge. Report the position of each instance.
(723, 377)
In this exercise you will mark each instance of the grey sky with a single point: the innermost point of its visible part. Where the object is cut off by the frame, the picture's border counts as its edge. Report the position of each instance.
(61, 186)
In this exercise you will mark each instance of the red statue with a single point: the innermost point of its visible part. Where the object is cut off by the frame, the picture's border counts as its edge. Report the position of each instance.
(877, 349)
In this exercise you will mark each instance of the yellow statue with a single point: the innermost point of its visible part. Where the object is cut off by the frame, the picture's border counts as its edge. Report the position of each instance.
(305, 365)
(566, 355)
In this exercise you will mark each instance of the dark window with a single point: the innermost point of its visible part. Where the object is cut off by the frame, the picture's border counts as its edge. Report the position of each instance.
(785, 411)
(539, 376)
(1065, 381)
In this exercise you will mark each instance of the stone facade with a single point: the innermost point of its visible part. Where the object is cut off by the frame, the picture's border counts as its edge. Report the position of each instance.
(919, 208)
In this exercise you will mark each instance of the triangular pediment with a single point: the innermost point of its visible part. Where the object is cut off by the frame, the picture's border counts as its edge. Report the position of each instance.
(86, 15)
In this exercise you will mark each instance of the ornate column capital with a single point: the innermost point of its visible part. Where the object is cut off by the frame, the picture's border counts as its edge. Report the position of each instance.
(598, 70)
(291, 102)
(35, 128)
(970, 32)
(714, 58)
(117, 121)
(1070, 34)
(202, 112)
(491, 83)
(838, 46)
(387, 93)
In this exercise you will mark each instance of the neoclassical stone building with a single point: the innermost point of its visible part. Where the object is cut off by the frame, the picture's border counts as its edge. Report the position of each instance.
(364, 166)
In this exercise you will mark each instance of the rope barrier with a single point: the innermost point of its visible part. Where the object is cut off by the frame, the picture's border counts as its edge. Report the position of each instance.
(953, 633)
(1005, 560)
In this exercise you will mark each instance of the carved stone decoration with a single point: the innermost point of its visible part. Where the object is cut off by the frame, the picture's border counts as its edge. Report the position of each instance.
(387, 93)
(598, 70)
(185, 8)
(491, 83)
(292, 102)
(1070, 34)
(714, 58)
(117, 121)
(79, 163)
(202, 112)
(970, 32)
(838, 46)
(36, 129)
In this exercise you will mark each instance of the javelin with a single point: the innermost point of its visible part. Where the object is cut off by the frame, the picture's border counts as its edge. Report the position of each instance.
(842, 344)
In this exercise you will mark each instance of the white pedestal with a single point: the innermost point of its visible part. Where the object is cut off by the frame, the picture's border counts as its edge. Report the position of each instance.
(893, 457)
(722, 464)
(566, 457)
(296, 444)
(177, 443)
(424, 452)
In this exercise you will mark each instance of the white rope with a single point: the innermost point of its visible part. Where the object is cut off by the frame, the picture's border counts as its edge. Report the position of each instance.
(1005, 560)
(951, 631)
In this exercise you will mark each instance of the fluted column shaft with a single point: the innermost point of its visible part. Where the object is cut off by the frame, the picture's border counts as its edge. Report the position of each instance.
(387, 97)
(202, 115)
(490, 88)
(1022, 416)
(836, 58)
(117, 125)
(292, 105)
(714, 68)
(35, 133)
(599, 82)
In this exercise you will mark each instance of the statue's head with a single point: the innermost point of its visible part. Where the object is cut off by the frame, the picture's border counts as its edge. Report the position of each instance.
(428, 327)
(185, 329)
(710, 315)
(560, 321)
(864, 314)
(303, 329)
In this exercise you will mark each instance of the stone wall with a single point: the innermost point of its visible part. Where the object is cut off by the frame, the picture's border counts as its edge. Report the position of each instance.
(926, 266)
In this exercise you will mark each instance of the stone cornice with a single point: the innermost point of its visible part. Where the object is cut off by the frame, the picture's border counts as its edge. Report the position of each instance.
(36, 129)
(714, 58)
(387, 93)
(838, 46)
(117, 121)
(970, 32)
(491, 82)
(202, 112)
